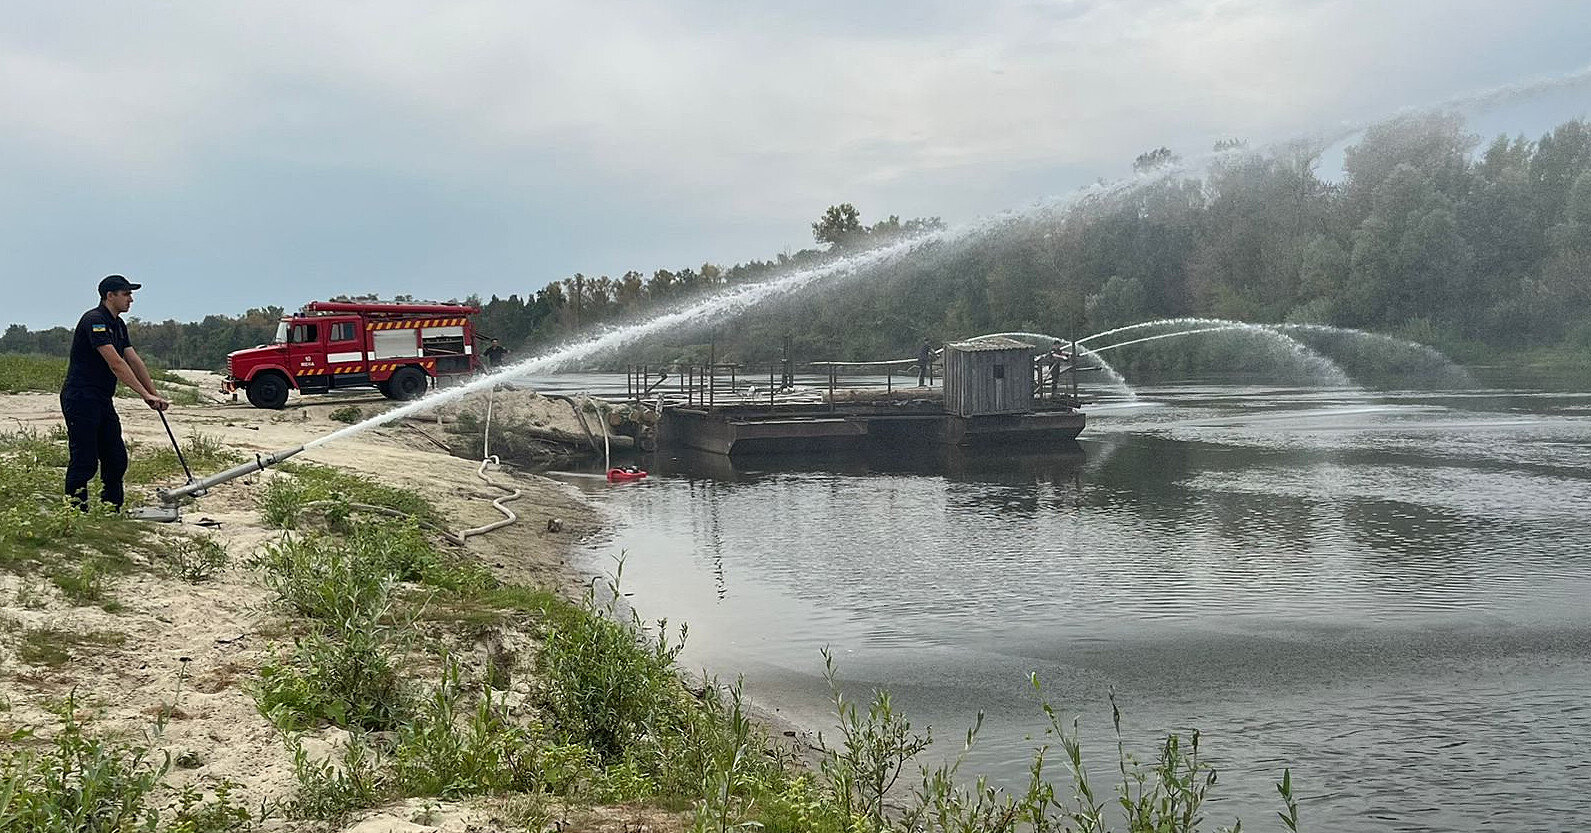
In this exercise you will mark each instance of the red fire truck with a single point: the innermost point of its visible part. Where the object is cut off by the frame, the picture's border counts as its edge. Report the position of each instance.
(398, 348)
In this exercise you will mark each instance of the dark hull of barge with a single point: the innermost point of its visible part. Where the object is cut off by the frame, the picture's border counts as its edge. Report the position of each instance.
(736, 430)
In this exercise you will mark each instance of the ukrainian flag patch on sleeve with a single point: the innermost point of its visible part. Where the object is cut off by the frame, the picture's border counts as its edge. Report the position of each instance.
(99, 328)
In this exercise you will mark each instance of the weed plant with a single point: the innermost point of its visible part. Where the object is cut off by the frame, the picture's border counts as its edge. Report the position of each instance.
(345, 671)
(222, 814)
(347, 677)
(41, 531)
(453, 751)
(205, 454)
(196, 559)
(1163, 795)
(286, 498)
(331, 579)
(79, 783)
(864, 768)
(329, 790)
(335, 577)
(605, 684)
(608, 683)
(347, 414)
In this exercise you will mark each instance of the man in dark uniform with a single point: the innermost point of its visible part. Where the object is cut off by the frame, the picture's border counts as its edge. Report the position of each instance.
(925, 360)
(495, 354)
(102, 354)
(1059, 359)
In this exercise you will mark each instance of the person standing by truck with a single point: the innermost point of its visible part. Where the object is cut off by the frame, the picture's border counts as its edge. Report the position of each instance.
(495, 355)
(101, 354)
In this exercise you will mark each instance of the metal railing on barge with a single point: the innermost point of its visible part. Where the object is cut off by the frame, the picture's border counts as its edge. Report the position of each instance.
(788, 386)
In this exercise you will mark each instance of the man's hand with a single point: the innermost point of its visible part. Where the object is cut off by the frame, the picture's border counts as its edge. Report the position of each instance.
(156, 401)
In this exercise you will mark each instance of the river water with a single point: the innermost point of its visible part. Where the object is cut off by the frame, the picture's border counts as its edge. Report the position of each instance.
(1385, 591)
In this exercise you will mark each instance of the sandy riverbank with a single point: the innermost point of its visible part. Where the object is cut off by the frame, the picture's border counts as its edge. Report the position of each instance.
(195, 646)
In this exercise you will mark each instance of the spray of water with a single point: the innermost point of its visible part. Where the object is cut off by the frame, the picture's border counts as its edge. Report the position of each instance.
(1408, 358)
(1318, 366)
(729, 302)
(1131, 342)
(1478, 101)
(1364, 352)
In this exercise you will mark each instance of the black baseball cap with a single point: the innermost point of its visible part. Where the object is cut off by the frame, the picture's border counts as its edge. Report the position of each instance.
(116, 283)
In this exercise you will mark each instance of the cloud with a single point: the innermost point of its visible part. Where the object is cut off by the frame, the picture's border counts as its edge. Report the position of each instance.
(613, 135)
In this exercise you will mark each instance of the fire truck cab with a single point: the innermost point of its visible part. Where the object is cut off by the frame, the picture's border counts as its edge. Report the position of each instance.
(398, 348)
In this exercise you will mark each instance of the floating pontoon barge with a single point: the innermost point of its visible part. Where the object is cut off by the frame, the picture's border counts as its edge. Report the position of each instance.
(993, 394)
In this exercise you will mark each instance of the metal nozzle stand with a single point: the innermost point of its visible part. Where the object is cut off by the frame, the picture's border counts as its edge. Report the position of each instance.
(169, 510)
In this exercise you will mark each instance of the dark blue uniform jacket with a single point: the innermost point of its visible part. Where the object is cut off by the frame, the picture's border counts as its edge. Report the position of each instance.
(87, 373)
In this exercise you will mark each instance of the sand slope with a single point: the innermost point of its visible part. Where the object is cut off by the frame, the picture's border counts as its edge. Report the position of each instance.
(189, 649)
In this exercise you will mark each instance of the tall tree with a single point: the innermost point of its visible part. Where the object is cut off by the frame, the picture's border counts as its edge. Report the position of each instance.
(840, 227)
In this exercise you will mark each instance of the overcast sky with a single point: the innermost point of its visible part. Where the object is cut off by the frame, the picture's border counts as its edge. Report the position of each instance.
(237, 154)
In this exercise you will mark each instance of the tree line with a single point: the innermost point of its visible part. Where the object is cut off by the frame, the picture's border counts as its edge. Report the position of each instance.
(1425, 235)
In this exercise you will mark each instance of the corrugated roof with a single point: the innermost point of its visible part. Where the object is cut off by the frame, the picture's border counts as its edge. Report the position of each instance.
(991, 343)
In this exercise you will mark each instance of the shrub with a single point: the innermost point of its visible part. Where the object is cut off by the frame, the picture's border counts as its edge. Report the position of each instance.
(327, 578)
(196, 559)
(348, 678)
(286, 498)
(349, 414)
(603, 687)
(438, 754)
(329, 790)
(79, 784)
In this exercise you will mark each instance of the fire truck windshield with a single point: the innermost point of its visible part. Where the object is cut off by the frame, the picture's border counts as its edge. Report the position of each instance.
(281, 333)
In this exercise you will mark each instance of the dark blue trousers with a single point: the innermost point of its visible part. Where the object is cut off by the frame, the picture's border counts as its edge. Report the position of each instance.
(94, 439)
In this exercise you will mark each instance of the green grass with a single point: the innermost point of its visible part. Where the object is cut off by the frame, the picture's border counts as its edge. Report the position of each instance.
(80, 553)
(611, 719)
(80, 783)
(158, 461)
(25, 373)
(286, 498)
(348, 414)
(481, 607)
(82, 583)
(195, 559)
(21, 373)
(345, 676)
(37, 523)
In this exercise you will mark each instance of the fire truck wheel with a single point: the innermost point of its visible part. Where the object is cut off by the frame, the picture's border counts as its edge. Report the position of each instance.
(268, 390)
(407, 383)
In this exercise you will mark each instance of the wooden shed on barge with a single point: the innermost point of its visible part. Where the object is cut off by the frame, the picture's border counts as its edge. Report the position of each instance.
(988, 376)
